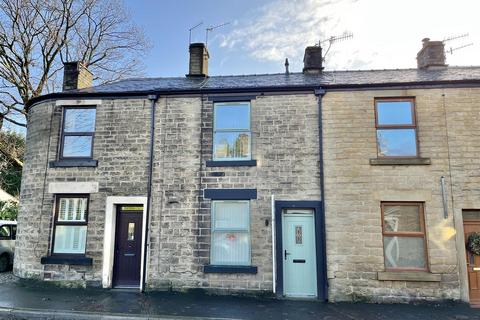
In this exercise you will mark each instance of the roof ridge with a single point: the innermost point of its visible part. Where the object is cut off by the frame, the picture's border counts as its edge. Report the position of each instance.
(291, 73)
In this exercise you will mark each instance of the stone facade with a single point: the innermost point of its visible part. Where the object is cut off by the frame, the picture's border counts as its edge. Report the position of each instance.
(120, 146)
(284, 143)
(354, 189)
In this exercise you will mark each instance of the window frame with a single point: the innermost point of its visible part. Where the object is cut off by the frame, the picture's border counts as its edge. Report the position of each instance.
(215, 130)
(413, 125)
(421, 234)
(64, 134)
(63, 223)
(237, 230)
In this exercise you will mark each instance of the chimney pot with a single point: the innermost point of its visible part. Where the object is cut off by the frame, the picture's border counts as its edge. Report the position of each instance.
(432, 55)
(198, 66)
(312, 60)
(76, 76)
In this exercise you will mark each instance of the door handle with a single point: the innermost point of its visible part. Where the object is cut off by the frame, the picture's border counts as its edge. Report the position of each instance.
(129, 254)
(286, 254)
(298, 260)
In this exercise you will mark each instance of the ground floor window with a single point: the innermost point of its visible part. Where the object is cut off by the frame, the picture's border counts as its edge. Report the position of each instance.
(404, 241)
(70, 229)
(230, 233)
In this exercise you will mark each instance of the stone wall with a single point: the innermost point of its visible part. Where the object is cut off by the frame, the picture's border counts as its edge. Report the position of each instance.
(354, 189)
(284, 143)
(121, 148)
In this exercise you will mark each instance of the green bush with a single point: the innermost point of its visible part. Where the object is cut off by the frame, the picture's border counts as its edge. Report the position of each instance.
(8, 210)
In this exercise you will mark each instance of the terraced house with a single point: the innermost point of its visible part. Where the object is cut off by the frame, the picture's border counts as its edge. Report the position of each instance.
(338, 185)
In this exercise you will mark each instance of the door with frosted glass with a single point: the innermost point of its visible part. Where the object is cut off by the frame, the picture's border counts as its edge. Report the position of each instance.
(128, 246)
(299, 259)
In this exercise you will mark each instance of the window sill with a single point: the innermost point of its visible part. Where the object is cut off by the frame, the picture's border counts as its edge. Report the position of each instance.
(229, 269)
(409, 276)
(399, 161)
(79, 261)
(66, 163)
(235, 163)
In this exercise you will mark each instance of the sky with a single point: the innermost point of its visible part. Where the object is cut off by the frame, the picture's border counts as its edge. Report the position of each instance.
(260, 34)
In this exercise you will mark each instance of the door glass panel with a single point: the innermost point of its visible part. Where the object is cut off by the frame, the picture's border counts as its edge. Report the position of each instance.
(131, 208)
(298, 235)
(471, 214)
(131, 231)
(404, 252)
(298, 211)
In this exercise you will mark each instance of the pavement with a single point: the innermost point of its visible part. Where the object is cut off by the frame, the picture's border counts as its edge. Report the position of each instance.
(37, 300)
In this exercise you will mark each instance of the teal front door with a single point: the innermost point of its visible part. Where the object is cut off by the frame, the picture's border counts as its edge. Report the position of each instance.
(299, 259)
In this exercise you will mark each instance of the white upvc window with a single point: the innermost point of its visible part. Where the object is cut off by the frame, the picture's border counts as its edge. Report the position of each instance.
(230, 233)
(70, 233)
(232, 131)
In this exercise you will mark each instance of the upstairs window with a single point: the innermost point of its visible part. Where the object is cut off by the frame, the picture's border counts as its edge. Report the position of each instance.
(404, 241)
(230, 233)
(231, 131)
(396, 128)
(70, 233)
(77, 132)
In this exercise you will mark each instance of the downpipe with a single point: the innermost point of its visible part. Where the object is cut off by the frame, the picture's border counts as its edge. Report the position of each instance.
(320, 92)
(153, 99)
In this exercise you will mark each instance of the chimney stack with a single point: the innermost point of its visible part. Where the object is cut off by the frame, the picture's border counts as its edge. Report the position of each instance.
(432, 55)
(312, 60)
(76, 76)
(198, 66)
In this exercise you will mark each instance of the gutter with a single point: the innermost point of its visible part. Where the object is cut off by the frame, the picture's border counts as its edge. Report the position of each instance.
(320, 92)
(153, 99)
(331, 87)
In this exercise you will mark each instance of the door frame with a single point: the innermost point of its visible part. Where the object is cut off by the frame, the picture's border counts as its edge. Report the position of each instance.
(121, 215)
(465, 253)
(320, 245)
(109, 237)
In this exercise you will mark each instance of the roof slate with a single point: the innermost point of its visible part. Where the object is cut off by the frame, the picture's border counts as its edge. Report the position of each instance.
(282, 80)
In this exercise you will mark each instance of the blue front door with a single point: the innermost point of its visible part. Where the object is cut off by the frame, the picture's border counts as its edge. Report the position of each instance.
(299, 259)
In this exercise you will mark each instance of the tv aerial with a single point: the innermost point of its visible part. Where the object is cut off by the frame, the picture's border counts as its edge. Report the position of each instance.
(334, 39)
(451, 50)
(211, 28)
(191, 29)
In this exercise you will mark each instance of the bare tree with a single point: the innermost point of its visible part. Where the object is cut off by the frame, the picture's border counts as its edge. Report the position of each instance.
(37, 36)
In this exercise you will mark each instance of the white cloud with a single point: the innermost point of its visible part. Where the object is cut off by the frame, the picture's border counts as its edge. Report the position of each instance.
(387, 34)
